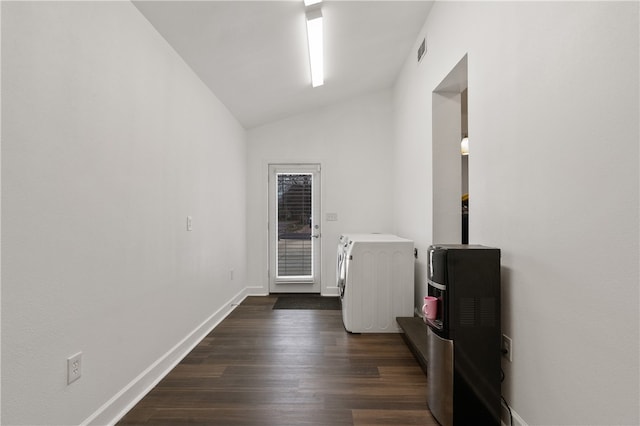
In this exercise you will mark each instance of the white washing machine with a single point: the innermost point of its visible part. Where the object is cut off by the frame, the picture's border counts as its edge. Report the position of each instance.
(375, 280)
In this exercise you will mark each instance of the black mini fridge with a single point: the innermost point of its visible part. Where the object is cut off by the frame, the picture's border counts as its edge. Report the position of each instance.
(464, 340)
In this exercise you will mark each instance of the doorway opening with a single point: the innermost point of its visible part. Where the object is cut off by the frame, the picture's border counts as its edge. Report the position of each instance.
(450, 172)
(464, 165)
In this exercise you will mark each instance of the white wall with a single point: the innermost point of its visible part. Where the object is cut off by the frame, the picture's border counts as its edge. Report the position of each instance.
(553, 169)
(353, 143)
(108, 142)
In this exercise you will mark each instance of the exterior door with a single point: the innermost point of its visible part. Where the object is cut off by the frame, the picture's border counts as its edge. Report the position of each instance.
(294, 228)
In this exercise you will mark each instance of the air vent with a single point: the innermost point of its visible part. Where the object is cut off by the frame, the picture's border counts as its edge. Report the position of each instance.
(422, 49)
(477, 312)
(467, 312)
(487, 312)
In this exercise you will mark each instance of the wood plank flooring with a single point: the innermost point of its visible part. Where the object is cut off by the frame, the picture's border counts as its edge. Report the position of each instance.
(289, 367)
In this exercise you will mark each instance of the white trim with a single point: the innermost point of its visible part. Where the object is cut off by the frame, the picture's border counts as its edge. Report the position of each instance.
(256, 291)
(0, 208)
(330, 291)
(123, 401)
(517, 420)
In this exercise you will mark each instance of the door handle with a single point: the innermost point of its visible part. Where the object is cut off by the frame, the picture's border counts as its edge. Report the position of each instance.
(315, 236)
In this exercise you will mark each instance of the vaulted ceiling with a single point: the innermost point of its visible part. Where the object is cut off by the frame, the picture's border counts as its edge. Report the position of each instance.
(253, 54)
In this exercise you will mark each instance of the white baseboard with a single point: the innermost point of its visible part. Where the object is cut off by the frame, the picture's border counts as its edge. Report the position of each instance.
(517, 420)
(330, 291)
(260, 291)
(114, 409)
(256, 291)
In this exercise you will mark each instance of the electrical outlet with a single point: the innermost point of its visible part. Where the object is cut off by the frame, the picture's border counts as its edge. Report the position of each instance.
(189, 223)
(507, 348)
(332, 217)
(231, 274)
(74, 368)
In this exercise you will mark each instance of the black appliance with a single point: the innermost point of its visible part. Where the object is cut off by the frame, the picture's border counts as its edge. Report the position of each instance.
(464, 341)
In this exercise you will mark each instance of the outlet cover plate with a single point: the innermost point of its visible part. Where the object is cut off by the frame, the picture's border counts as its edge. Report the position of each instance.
(74, 367)
(507, 347)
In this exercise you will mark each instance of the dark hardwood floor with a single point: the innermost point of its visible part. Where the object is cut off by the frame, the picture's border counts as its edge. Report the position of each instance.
(289, 367)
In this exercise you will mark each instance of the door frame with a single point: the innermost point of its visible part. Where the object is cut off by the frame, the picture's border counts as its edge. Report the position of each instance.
(293, 285)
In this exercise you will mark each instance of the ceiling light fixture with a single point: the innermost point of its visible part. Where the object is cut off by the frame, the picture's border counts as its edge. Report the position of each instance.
(314, 39)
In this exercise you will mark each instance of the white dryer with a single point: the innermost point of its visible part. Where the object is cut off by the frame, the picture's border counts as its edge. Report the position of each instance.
(376, 281)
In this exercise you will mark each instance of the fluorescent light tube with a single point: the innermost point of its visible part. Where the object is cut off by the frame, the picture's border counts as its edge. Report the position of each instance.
(310, 2)
(314, 38)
